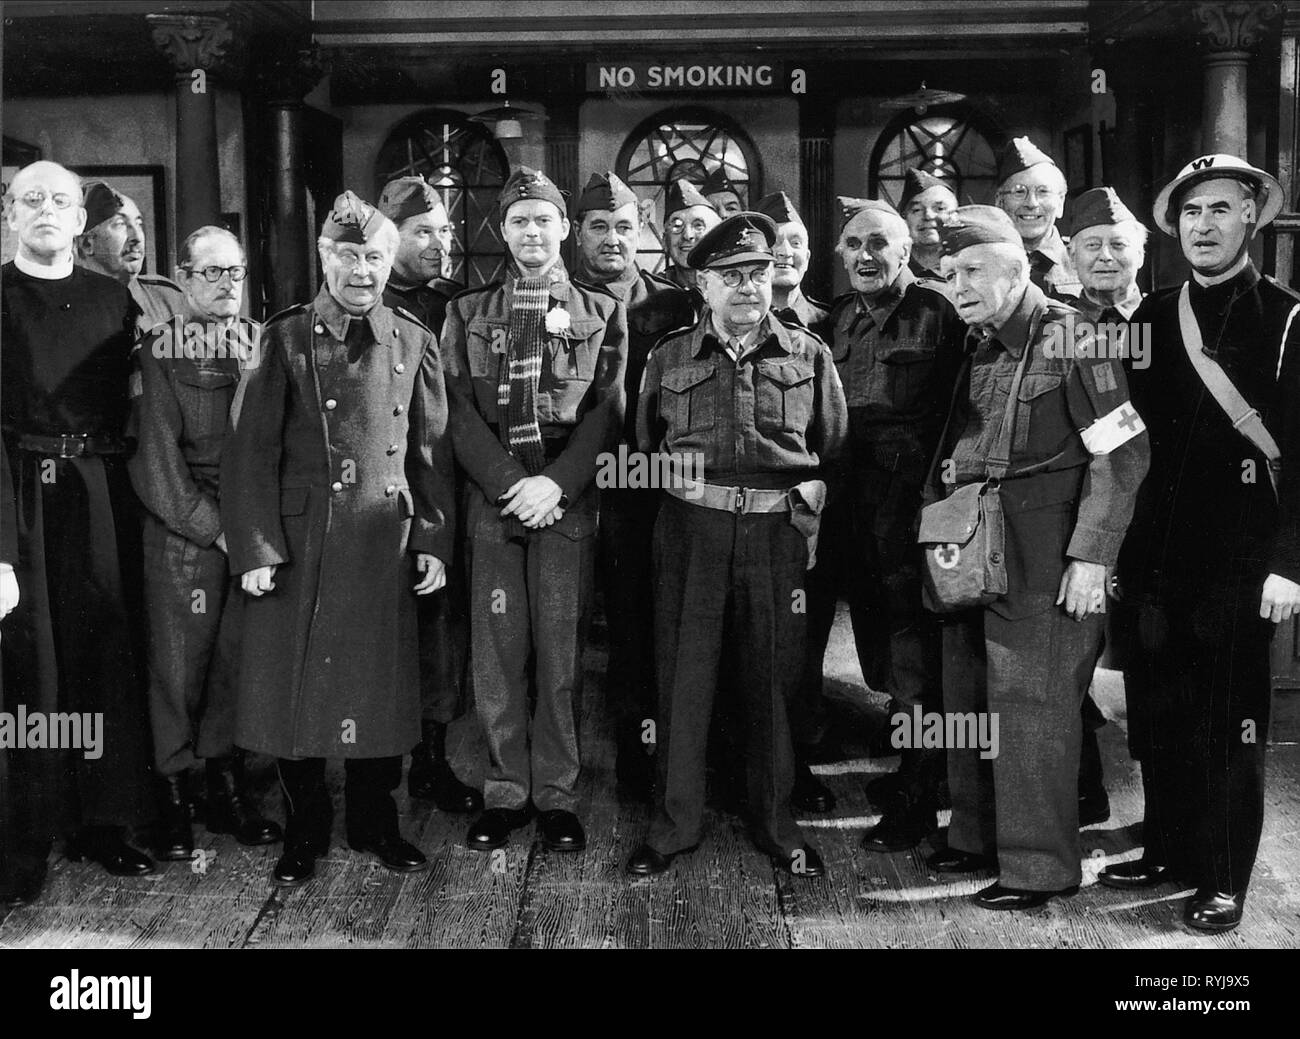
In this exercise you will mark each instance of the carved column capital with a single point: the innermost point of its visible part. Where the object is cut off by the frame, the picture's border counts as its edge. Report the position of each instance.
(1234, 26)
(190, 41)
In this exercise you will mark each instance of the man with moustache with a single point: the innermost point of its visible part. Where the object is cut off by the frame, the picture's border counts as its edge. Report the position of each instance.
(722, 195)
(1212, 561)
(336, 500)
(897, 345)
(73, 644)
(416, 285)
(189, 369)
(789, 264)
(1031, 190)
(113, 244)
(1068, 456)
(535, 375)
(608, 229)
(759, 402)
(688, 216)
(926, 203)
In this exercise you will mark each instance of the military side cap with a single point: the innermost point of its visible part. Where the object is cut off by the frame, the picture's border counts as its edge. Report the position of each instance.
(605, 191)
(1098, 206)
(682, 194)
(742, 238)
(916, 181)
(101, 202)
(1019, 155)
(977, 225)
(406, 197)
(526, 184)
(719, 181)
(851, 207)
(779, 207)
(1268, 202)
(352, 220)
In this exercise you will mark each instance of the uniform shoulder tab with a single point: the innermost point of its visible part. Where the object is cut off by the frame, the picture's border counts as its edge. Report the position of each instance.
(160, 280)
(287, 311)
(1057, 308)
(672, 334)
(404, 313)
(660, 282)
(466, 293)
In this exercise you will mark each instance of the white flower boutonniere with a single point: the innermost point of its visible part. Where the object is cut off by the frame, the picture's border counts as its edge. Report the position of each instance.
(557, 320)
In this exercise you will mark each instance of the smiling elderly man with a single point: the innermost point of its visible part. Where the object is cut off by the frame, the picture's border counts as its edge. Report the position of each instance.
(1055, 439)
(1031, 190)
(688, 216)
(790, 256)
(925, 204)
(1212, 562)
(1108, 248)
(336, 500)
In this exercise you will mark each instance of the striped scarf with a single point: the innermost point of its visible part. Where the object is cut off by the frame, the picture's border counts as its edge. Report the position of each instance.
(517, 383)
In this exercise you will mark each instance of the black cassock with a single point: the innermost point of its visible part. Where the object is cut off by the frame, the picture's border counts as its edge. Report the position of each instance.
(74, 644)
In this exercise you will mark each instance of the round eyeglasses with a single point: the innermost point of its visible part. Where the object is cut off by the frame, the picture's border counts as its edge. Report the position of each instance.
(237, 273)
(1020, 193)
(733, 276)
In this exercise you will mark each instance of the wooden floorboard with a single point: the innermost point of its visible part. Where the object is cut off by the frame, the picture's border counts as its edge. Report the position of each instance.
(725, 895)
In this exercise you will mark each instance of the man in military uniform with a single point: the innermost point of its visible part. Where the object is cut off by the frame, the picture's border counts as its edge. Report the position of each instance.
(1107, 248)
(1212, 561)
(73, 644)
(336, 500)
(925, 204)
(188, 369)
(896, 343)
(417, 286)
(722, 195)
(608, 229)
(1031, 190)
(688, 216)
(113, 244)
(758, 404)
(1075, 454)
(790, 264)
(535, 377)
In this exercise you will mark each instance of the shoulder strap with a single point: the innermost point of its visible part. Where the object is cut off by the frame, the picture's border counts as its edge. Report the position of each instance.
(1245, 419)
(1000, 460)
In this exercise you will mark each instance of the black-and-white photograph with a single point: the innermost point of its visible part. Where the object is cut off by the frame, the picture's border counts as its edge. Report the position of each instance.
(649, 475)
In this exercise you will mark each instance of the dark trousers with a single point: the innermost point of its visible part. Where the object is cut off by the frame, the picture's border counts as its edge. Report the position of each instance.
(1198, 689)
(627, 520)
(193, 649)
(1023, 804)
(868, 551)
(530, 601)
(369, 810)
(444, 636)
(717, 572)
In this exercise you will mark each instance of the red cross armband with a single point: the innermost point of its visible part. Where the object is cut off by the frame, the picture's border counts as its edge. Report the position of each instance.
(1112, 430)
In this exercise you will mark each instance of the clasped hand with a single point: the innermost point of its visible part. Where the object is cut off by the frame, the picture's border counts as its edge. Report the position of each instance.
(534, 500)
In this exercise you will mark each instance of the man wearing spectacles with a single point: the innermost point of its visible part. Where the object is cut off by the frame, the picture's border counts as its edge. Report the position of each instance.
(71, 643)
(113, 244)
(188, 372)
(688, 217)
(761, 404)
(1031, 190)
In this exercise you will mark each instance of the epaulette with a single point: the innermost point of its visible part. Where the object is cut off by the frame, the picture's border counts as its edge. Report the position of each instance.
(403, 312)
(1060, 307)
(933, 284)
(158, 279)
(669, 335)
(661, 281)
(795, 326)
(287, 311)
(478, 291)
(817, 303)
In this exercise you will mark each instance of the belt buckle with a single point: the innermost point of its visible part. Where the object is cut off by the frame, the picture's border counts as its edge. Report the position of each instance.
(739, 504)
(71, 446)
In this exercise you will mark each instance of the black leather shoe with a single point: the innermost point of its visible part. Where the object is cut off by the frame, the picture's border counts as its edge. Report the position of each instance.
(1094, 810)
(900, 830)
(951, 860)
(646, 862)
(995, 896)
(175, 837)
(491, 830)
(804, 863)
(397, 854)
(1137, 874)
(810, 793)
(561, 831)
(230, 810)
(296, 866)
(1209, 910)
(431, 779)
(106, 846)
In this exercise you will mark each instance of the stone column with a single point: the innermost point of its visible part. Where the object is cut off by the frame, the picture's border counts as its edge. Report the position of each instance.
(194, 45)
(1230, 31)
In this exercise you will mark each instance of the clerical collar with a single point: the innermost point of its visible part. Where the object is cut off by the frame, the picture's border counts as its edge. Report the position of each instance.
(52, 272)
(1228, 275)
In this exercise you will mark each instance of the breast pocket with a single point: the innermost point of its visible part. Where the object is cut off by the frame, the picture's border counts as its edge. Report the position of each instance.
(485, 344)
(574, 351)
(905, 373)
(783, 396)
(205, 395)
(1040, 413)
(688, 402)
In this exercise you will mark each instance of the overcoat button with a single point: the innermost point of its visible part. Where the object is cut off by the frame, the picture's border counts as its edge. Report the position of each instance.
(331, 404)
(398, 410)
(390, 490)
(336, 486)
(392, 449)
(320, 329)
(399, 367)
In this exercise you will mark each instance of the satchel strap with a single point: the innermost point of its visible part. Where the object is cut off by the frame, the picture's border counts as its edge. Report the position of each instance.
(1245, 419)
(1000, 460)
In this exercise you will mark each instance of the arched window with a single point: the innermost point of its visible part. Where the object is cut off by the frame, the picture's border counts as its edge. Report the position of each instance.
(953, 142)
(468, 168)
(684, 143)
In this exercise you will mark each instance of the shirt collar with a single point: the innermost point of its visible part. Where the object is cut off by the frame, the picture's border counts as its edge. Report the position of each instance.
(706, 336)
(1017, 330)
(887, 302)
(1125, 306)
(620, 286)
(54, 272)
(338, 320)
(1052, 248)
